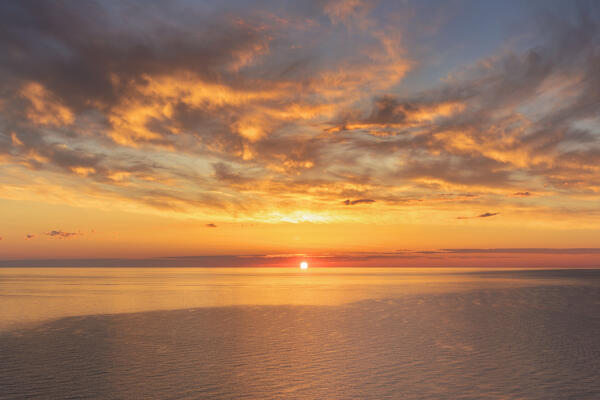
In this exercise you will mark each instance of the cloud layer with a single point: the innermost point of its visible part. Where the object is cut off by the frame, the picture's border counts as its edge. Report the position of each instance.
(237, 110)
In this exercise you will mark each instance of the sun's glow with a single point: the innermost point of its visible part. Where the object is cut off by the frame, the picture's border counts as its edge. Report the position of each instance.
(303, 265)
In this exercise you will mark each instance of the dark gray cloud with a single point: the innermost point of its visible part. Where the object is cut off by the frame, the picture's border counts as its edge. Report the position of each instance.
(388, 110)
(59, 234)
(224, 173)
(358, 201)
(78, 49)
(484, 215)
(487, 214)
(56, 233)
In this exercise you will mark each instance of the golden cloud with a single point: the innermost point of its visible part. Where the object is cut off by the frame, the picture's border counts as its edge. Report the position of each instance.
(45, 108)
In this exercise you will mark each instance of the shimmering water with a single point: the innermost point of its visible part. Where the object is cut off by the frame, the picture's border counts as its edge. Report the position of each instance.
(324, 334)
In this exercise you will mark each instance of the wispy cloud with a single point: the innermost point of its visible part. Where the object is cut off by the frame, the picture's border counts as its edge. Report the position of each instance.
(487, 214)
(55, 234)
(59, 234)
(484, 215)
(519, 250)
(358, 201)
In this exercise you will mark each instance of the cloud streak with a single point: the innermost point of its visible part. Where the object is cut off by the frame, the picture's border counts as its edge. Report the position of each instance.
(484, 215)
(59, 234)
(487, 214)
(358, 201)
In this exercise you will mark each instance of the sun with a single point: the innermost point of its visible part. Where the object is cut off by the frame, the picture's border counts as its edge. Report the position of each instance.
(303, 265)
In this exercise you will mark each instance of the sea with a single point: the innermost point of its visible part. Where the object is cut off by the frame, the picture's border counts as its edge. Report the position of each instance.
(286, 333)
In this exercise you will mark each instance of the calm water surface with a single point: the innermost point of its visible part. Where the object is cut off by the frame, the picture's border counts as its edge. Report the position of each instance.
(283, 333)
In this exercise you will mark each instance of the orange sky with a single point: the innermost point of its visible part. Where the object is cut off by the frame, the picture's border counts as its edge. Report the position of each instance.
(348, 133)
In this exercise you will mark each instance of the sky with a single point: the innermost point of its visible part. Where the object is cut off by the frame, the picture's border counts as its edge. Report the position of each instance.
(346, 133)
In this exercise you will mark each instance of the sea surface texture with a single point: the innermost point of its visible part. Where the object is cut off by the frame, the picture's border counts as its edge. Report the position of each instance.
(327, 334)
